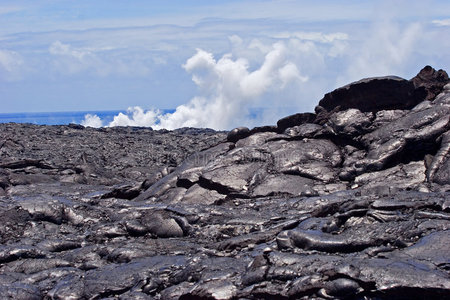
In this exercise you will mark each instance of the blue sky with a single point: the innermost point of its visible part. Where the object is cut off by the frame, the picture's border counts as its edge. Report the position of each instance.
(215, 61)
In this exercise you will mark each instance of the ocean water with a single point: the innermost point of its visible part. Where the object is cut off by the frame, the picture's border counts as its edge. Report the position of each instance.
(76, 117)
(61, 118)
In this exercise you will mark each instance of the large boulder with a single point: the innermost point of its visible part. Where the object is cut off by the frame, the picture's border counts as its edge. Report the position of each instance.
(238, 133)
(369, 95)
(383, 93)
(295, 120)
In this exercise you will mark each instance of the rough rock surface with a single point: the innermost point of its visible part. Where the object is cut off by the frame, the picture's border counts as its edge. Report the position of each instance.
(350, 203)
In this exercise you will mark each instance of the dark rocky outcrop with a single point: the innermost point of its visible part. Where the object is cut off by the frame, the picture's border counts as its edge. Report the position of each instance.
(295, 120)
(349, 203)
(431, 81)
(372, 94)
(383, 93)
(237, 134)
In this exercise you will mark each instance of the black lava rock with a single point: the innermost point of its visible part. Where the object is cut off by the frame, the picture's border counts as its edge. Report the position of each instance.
(349, 203)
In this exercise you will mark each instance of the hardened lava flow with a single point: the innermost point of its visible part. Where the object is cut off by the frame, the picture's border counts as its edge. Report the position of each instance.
(349, 202)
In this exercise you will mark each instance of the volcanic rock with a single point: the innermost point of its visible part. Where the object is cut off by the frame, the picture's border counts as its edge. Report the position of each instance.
(294, 120)
(349, 203)
(383, 93)
(431, 81)
(237, 134)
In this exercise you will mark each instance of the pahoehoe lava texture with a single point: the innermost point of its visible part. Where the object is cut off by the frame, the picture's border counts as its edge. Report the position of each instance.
(349, 202)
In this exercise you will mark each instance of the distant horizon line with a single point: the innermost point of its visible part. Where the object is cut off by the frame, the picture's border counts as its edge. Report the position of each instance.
(72, 111)
(119, 110)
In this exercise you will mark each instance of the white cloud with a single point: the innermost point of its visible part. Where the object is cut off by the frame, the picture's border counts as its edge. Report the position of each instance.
(7, 9)
(10, 60)
(92, 121)
(387, 49)
(313, 36)
(70, 60)
(444, 22)
(290, 73)
(339, 48)
(58, 48)
(11, 65)
(101, 61)
(185, 15)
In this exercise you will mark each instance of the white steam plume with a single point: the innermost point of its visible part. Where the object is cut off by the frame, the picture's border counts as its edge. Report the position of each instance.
(227, 88)
(92, 121)
(293, 72)
(135, 116)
